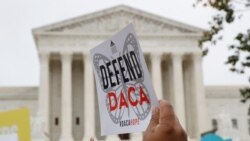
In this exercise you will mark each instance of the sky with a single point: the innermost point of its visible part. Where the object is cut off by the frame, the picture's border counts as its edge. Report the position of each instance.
(19, 64)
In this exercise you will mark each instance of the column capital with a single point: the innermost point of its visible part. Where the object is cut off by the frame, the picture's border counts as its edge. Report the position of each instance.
(156, 55)
(66, 56)
(44, 55)
(177, 55)
(196, 55)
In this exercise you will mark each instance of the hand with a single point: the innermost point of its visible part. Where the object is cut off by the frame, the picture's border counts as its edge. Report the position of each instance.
(164, 125)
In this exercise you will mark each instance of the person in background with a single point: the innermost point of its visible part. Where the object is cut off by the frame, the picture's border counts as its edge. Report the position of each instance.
(164, 125)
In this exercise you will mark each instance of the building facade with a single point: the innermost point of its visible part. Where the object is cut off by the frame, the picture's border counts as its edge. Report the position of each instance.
(227, 113)
(65, 106)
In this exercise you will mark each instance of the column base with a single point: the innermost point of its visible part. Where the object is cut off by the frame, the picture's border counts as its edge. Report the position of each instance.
(192, 139)
(87, 138)
(112, 138)
(136, 136)
(66, 138)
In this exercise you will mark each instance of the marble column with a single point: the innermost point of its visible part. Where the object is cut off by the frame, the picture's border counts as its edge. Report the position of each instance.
(44, 99)
(66, 128)
(199, 95)
(89, 99)
(157, 74)
(178, 89)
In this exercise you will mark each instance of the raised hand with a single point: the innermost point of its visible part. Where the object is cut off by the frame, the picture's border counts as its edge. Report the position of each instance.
(164, 125)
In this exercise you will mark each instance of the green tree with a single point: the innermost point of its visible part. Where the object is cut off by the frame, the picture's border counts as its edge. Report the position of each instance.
(228, 12)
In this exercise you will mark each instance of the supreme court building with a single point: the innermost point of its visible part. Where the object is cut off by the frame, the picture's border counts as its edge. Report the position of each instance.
(65, 105)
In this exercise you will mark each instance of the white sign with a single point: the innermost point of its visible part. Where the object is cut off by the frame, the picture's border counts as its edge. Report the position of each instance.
(125, 91)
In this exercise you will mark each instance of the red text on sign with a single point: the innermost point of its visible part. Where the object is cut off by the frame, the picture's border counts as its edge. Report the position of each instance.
(115, 102)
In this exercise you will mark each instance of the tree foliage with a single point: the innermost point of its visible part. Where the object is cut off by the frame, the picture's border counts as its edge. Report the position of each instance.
(229, 11)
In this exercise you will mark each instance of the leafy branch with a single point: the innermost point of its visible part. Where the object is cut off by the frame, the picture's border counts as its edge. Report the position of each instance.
(228, 11)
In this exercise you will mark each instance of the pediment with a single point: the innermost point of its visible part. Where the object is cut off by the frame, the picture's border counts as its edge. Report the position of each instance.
(112, 20)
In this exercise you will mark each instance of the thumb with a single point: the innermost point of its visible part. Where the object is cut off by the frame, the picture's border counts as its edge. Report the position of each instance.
(155, 117)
